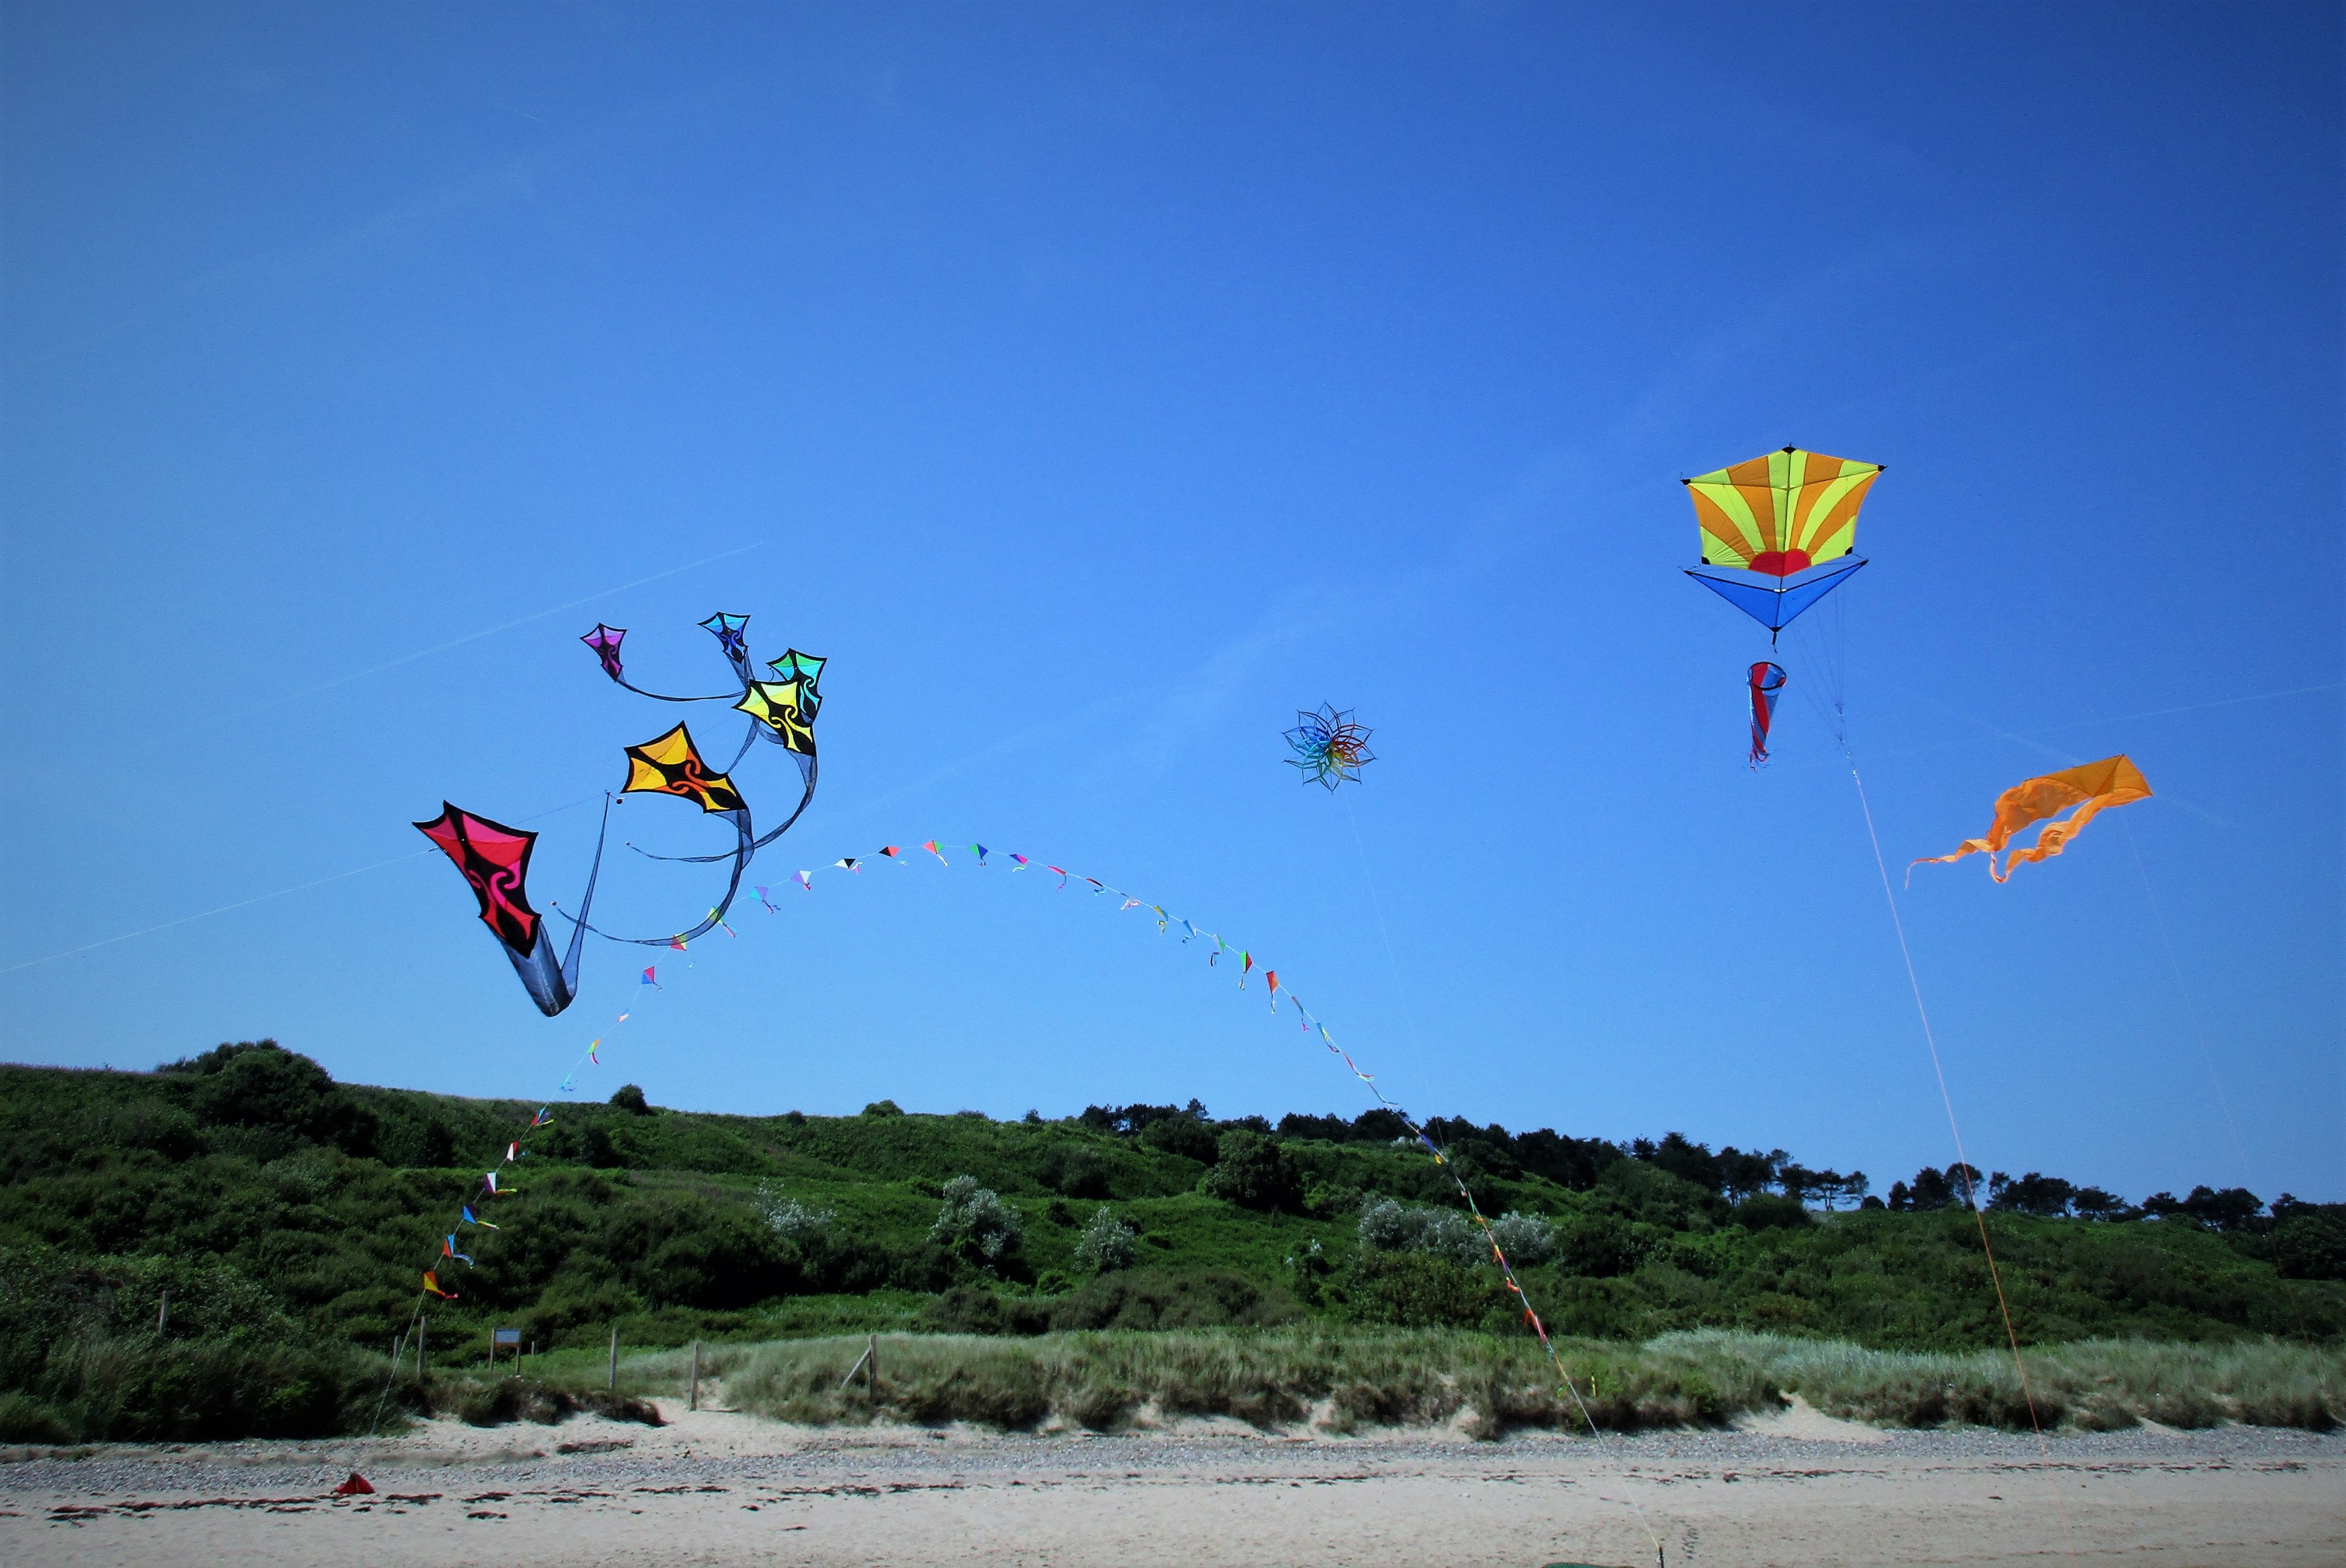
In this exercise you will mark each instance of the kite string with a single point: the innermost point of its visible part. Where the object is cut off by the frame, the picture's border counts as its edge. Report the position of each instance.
(1962, 1160)
(2207, 1057)
(2190, 1008)
(262, 898)
(1506, 1270)
(1310, 1022)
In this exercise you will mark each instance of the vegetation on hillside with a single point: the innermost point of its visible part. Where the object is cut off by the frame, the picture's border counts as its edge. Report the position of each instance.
(290, 1218)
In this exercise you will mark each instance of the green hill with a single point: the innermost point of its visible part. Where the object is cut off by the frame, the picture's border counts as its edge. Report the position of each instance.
(290, 1216)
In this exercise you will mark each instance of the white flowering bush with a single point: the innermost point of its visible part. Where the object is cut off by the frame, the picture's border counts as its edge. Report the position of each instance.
(1388, 1225)
(789, 1219)
(975, 1225)
(1107, 1244)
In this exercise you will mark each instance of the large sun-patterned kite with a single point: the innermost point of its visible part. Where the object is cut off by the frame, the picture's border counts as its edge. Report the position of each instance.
(1777, 534)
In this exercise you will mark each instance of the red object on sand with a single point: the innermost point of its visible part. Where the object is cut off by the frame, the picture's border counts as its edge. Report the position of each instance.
(355, 1487)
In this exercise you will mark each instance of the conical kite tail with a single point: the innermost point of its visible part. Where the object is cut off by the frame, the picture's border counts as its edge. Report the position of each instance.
(585, 902)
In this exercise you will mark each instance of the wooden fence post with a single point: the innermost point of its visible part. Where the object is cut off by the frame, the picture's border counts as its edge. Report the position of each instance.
(614, 1357)
(692, 1401)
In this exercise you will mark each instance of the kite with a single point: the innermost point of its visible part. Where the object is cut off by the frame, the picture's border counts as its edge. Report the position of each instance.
(782, 711)
(495, 859)
(1778, 533)
(606, 640)
(1767, 682)
(726, 629)
(1328, 746)
(671, 764)
(2090, 787)
(785, 708)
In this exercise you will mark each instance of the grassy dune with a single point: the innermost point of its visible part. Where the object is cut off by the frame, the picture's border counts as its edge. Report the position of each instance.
(1342, 1380)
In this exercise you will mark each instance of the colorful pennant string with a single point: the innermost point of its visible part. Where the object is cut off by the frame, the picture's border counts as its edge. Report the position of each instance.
(1306, 1020)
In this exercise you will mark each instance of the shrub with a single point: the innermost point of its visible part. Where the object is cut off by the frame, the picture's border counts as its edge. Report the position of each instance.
(1254, 1172)
(1421, 1290)
(1770, 1211)
(1526, 1238)
(791, 1220)
(1107, 1244)
(1389, 1226)
(1184, 1136)
(266, 1101)
(976, 1227)
(1156, 1299)
(2312, 1246)
(496, 1401)
(1595, 1246)
(1074, 1170)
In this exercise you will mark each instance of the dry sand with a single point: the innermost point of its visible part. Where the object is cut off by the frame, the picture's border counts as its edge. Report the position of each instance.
(725, 1489)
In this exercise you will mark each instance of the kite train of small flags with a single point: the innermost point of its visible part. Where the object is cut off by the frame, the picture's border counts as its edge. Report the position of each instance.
(496, 1184)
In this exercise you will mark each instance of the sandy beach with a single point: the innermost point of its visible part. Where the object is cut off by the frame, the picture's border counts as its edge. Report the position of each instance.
(714, 1487)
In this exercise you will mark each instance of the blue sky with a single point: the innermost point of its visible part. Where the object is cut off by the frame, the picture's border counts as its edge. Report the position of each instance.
(1097, 385)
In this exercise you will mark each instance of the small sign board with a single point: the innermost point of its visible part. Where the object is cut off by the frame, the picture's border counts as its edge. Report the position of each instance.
(505, 1336)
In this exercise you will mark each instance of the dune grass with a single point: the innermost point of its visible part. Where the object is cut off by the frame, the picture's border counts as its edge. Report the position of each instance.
(1339, 1381)
(2088, 1385)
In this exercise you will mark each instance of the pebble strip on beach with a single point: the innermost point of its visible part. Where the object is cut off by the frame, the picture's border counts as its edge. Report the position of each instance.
(528, 1456)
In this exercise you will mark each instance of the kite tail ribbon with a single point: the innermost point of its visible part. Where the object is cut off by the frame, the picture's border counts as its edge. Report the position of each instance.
(806, 798)
(2090, 787)
(553, 984)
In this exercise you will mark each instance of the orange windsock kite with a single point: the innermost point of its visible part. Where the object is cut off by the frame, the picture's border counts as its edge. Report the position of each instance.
(2089, 786)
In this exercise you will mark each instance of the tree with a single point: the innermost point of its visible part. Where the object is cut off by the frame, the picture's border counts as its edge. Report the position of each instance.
(1573, 1163)
(629, 1098)
(1741, 1173)
(1949, 1189)
(2234, 1209)
(1799, 1183)
(1334, 1129)
(1831, 1185)
(1183, 1133)
(1687, 1160)
(2048, 1197)
(2093, 1203)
